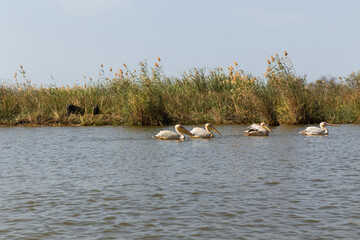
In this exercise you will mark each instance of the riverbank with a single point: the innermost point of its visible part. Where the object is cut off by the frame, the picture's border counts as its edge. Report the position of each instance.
(147, 97)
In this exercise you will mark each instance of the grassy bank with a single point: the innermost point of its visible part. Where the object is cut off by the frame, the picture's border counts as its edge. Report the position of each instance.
(147, 96)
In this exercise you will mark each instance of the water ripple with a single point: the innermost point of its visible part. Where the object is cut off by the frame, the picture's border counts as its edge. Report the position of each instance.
(119, 183)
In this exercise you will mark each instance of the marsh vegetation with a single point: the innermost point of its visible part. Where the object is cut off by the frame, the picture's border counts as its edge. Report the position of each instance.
(147, 96)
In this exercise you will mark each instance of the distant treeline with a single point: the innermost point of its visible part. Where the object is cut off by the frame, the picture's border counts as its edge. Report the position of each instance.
(146, 96)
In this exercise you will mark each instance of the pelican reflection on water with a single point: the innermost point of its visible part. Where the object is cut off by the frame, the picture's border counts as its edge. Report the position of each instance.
(169, 135)
(204, 133)
(258, 130)
(322, 130)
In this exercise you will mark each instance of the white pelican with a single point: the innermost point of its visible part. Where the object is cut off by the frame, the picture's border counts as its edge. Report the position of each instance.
(166, 134)
(322, 130)
(204, 133)
(258, 130)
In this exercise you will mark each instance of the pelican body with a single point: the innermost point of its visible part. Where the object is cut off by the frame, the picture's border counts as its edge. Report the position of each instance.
(169, 135)
(322, 130)
(258, 130)
(204, 133)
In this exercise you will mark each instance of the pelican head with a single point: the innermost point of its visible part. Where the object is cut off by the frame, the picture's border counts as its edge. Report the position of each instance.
(323, 124)
(180, 129)
(208, 127)
(265, 126)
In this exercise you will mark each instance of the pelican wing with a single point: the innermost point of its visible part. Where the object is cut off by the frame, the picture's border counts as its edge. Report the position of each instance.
(166, 134)
(257, 133)
(257, 130)
(313, 131)
(200, 132)
(255, 127)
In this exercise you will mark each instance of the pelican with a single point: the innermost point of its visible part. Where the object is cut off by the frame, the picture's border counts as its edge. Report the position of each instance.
(166, 134)
(258, 130)
(204, 133)
(322, 130)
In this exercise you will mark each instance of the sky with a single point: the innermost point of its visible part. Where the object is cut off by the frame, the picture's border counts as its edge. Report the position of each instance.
(60, 41)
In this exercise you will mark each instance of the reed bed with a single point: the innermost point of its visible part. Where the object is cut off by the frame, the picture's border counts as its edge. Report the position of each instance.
(147, 97)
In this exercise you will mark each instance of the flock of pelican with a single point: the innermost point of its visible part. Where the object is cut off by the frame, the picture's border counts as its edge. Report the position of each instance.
(194, 133)
(253, 130)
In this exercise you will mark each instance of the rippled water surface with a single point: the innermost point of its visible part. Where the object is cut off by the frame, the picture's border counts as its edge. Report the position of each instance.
(120, 183)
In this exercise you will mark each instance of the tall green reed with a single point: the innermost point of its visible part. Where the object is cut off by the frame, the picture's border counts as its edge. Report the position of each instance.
(146, 96)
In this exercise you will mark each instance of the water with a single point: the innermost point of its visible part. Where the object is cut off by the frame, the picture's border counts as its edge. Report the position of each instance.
(120, 183)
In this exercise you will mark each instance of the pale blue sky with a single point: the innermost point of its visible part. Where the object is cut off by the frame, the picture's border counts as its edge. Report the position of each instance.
(68, 39)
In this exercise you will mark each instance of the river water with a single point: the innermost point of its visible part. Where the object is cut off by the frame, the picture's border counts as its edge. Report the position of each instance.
(120, 183)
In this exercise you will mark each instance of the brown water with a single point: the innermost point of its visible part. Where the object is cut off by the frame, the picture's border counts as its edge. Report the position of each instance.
(120, 183)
